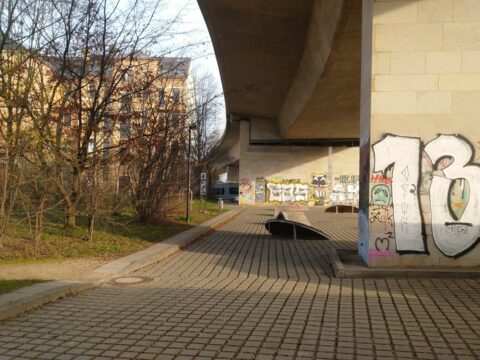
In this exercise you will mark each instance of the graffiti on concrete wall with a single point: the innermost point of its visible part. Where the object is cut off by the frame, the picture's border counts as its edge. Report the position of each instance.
(319, 190)
(381, 216)
(452, 234)
(316, 192)
(345, 190)
(260, 190)
(403, 154)
(292, 190)
(246, 192)
(446, 174)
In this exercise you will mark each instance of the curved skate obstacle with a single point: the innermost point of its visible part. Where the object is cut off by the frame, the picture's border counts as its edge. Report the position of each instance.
(294, 225)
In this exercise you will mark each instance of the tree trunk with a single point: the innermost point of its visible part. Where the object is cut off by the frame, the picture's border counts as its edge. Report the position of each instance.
(91, 227)
(71, 204)
(70, 217)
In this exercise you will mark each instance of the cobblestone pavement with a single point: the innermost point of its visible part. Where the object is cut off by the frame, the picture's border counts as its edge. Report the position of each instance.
(241, 294)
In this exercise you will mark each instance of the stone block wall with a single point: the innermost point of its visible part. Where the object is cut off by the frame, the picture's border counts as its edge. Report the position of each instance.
(420, 133)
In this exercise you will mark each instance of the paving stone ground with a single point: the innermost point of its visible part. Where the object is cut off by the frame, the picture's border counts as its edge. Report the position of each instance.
(241, 294)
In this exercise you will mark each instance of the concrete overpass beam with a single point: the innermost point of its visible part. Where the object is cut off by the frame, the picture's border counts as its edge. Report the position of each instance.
(323, 25)
(420, 132)
(326, 88)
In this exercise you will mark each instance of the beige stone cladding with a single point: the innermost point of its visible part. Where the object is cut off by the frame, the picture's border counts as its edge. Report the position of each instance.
(423, 131)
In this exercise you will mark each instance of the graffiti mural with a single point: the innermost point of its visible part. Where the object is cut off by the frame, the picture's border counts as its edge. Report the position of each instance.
(381, 195)
(445, 174)
(274, 192)
(246, 192)
(320, 180)
(301, 192)
(260, 190)
(311, 193)
(345, 190)
(319, 190)
(287, 191)
(452, 234)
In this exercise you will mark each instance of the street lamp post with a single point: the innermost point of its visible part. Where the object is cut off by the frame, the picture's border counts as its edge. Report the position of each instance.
(190, 128)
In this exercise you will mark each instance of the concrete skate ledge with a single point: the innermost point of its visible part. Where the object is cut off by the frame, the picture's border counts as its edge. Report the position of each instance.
(162, 250)
(24, 299)
(348, 264)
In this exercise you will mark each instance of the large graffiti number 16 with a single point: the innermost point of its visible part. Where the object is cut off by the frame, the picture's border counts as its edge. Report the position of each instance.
(452, 236)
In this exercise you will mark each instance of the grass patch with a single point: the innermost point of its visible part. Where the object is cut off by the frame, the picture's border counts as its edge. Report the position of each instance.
(201, 212)
(10, 285)
(119, 236)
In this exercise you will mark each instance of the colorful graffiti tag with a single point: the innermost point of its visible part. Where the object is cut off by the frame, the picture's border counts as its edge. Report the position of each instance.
(287, 191)
(260, 190)
(318, 191)
(345, 189)
(246, 192)
(445, 174)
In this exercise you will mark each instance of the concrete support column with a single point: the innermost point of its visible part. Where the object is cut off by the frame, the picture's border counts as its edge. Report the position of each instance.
(420, 133)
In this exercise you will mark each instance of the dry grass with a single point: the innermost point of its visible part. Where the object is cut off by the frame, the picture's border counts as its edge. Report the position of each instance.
(119, 236)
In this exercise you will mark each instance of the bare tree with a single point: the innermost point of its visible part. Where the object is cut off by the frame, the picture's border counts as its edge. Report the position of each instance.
(159, 146)
(20, 31)
(207, 117)
(84, 103)
(96, 52)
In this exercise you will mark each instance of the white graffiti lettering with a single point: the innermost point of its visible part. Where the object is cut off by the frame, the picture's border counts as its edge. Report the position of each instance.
(275, 191)
(451, 235)
(301, 192)
(404, 154)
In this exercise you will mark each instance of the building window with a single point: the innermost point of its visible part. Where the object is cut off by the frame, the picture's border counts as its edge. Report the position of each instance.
(67, 120)
(146, 94)
(107, 124)
(92, 89)
(106, 146)
(175, 119)
(123, 182)
(161, 97)
(129, 76)
(145, 119)
(125, 103)
(91, 145)
(162, 121)
(105, 173)
(176, 95)
(125, 130)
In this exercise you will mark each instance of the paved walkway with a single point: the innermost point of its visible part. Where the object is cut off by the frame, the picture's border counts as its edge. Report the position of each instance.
(242, 294)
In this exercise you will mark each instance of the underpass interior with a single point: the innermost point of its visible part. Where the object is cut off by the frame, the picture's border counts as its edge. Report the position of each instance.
(291, 77)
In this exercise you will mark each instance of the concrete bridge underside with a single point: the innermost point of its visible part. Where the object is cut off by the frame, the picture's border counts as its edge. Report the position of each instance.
(292, 63)
(315, 88)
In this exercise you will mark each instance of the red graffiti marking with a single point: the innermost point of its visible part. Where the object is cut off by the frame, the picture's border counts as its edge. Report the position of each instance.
(381, 179)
